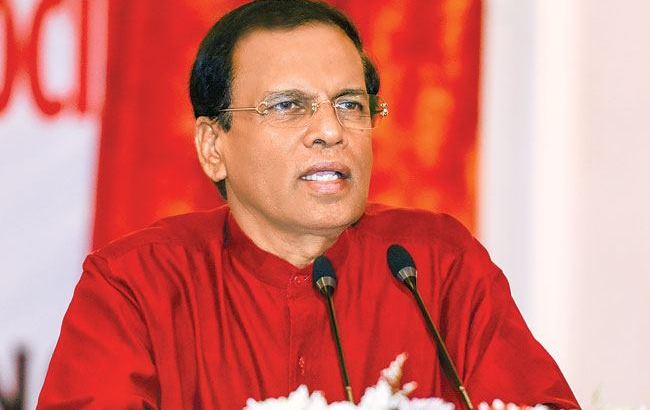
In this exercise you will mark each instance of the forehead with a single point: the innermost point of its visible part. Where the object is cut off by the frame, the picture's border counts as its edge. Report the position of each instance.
(317, 58)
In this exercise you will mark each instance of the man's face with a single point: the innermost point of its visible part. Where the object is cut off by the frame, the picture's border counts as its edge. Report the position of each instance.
(275, 175)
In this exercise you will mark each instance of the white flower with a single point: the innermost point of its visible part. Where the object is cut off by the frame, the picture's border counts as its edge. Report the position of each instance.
(500, 405)
(426, 404)
(393, 373)
(376, 397)
(298, 400)
(385, 395)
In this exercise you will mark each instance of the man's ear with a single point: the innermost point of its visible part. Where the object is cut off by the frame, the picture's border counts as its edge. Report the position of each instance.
(208, 138)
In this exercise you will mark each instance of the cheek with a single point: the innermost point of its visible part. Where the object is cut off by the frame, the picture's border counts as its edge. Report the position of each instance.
(369, 156)
(364, 155)
(256, 160)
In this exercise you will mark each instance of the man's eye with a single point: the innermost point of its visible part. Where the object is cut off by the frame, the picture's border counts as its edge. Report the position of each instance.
(286, 106)
(350, 106)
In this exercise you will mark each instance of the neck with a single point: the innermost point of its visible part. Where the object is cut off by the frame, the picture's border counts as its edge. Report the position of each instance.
(297, 247)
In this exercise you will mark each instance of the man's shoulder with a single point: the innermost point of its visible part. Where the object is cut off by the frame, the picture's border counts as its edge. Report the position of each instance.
(191, 230)
(406, 225)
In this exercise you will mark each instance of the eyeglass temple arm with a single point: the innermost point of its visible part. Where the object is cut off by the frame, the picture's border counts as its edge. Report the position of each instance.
(239, 109)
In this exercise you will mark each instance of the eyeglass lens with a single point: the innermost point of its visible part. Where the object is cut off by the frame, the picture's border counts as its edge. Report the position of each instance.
(292, 109)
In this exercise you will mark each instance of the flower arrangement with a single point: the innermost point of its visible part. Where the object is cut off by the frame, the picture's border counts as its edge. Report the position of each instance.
(387, 394)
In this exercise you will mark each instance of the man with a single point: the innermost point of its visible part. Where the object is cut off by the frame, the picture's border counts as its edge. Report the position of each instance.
(207, 309)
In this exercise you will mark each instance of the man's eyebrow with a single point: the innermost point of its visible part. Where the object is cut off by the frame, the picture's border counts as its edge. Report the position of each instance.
(350, 91)
(293, 92)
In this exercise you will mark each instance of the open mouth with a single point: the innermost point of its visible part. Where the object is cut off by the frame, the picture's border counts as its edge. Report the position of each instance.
(324, 176)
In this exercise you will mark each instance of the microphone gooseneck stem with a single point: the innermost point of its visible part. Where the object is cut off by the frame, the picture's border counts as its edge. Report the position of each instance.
(339, 349)
(447, 364)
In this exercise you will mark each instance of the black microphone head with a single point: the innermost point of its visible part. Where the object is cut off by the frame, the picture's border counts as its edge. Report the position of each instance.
(401, 263)
(324, 276)
(398, 258)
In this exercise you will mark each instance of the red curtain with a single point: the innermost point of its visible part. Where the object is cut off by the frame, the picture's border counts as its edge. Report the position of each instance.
(427, 53)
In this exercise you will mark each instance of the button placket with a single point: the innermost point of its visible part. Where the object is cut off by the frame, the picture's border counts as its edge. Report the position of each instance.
(301, 365)
(301, 306)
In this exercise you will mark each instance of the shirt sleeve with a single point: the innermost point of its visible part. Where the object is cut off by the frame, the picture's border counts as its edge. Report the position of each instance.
(500, 358)
(103, 357)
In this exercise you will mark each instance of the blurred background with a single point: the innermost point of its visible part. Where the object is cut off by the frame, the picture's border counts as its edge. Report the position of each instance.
(526, 119)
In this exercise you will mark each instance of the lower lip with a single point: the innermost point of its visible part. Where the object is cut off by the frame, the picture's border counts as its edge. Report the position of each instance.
(327, 187)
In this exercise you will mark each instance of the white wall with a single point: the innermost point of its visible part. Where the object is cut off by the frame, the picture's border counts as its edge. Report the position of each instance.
(565, 195)
(47, 182)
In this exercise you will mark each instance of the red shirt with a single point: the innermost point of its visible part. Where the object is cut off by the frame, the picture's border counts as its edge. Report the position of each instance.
(189, 313)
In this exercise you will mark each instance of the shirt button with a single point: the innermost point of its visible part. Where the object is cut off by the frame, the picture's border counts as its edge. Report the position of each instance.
(300, 280)
(301, 365)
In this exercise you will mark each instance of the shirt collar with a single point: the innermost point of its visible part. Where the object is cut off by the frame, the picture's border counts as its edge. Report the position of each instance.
(270, 268)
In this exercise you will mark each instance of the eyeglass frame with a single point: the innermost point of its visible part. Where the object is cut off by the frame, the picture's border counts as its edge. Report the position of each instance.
(315, 105)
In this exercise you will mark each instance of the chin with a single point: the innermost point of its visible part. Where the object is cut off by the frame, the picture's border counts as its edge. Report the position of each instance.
(336, 216)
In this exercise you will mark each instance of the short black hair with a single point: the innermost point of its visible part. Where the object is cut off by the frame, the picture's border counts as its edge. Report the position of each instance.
(211, 78)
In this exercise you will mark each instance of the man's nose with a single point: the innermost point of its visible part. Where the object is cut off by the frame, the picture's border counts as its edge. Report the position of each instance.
(324, 127)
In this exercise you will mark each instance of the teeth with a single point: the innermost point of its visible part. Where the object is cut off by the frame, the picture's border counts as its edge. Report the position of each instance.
(323, 176)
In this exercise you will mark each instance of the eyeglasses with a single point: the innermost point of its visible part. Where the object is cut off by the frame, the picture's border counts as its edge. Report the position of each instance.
(292, 109)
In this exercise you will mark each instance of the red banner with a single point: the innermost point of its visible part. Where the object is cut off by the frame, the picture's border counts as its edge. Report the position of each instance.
(427, 54)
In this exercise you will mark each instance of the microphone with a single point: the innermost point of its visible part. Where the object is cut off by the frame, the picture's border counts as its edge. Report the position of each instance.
(325, 281)
(402, 266)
